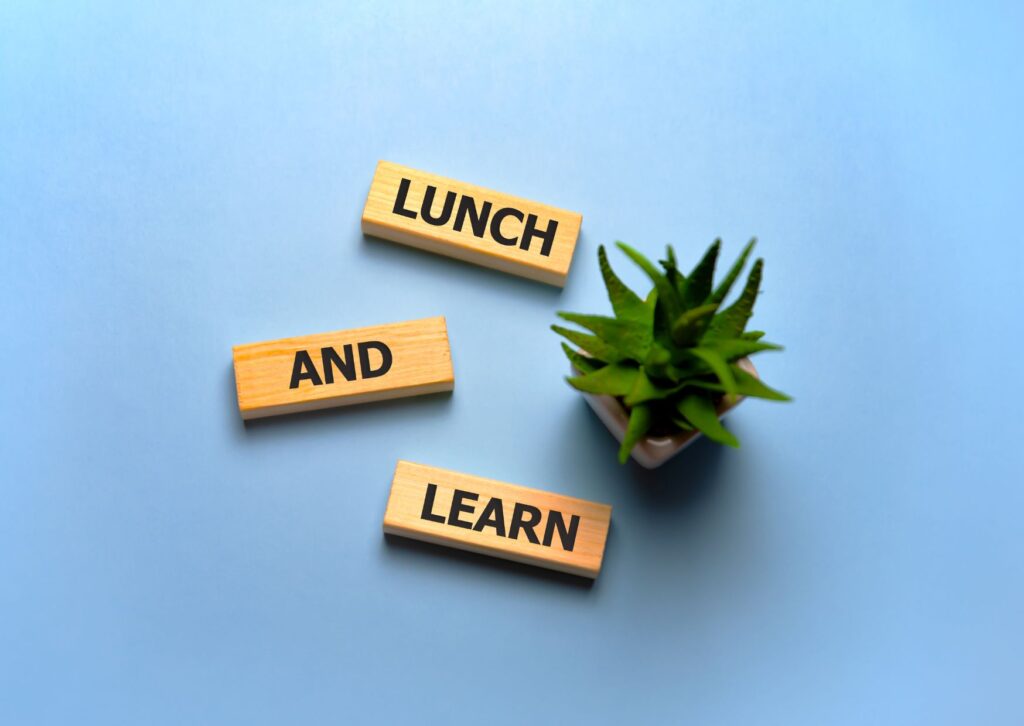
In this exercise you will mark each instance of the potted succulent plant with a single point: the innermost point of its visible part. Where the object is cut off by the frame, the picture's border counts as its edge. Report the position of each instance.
(666, 368)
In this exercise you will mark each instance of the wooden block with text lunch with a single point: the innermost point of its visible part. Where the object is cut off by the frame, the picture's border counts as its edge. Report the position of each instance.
(471, 223)
(493, 518)
(343, 368)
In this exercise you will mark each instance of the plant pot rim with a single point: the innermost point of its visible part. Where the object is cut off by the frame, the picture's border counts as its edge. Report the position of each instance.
(653, 451)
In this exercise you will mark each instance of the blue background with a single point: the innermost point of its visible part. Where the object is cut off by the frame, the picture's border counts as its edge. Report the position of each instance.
(177, 179)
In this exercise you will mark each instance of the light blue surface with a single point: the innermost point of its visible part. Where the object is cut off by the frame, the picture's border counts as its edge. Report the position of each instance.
(175, 180)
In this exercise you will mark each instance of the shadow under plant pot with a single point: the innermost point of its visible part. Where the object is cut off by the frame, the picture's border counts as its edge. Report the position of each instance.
(653, 451)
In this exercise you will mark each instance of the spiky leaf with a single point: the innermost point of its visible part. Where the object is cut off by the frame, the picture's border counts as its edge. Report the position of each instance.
(591, 343)
(615, 379)
(698, 285)
(666, 293)
(681, 423)
(644, 389)
(722, 290)
(639, 424)
(580, 362)
(746, 385)
(626, 304)
(629, 337)
(733, 348)
(731, 322)
(700, 411)
(658, 360)
(718, 365)
(675, 278)
(688, 327)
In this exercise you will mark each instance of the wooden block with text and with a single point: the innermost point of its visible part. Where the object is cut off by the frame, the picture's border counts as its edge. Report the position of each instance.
(471, 223)
(493, 518)
(343, 368)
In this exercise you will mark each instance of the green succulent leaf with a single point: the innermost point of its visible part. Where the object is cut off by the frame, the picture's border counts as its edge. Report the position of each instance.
(700, 411)
(580, 362)
(675, 278)
(681, 423)
(643, 263)
(723, 288)
(731, 322)
(752, 335)
(666, 293)
(639, 424)
(630, 337)
(644, 389)
(591, 344)
(718, 365)
(615, 379)
(734, 348)
(689, 366)
(698, 285)
(625, 302)
(658, 355)
(658, 360)
(751, 385)
(746, 385)
(690, 326)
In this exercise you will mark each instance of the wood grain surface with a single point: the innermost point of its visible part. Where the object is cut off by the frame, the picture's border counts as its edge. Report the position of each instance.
(481, 515)
(471, 223)
(343, 368)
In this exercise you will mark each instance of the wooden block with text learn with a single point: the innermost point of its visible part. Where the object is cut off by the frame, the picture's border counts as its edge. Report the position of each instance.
(471, 223)
(493, 518)
(343, 368)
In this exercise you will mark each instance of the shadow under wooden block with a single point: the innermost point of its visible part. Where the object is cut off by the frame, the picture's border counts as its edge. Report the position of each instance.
(405, 547)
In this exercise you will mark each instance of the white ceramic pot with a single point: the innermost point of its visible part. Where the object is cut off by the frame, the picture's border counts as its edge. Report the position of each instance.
(653, 451)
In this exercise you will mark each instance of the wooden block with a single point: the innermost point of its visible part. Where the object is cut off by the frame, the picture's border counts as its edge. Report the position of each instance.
(498, 519)
(471, 223)
(342, 368)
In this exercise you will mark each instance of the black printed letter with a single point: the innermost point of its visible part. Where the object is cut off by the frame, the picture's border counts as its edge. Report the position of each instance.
(403, 192)
(477, 220)
(346, 366)
(519, 521)
(566, 534)
(531, 231)
(492, 516)
(303, 368)
(364, 358)
(428, 202)
(458, 507)
(428, 505)
(496, 221)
